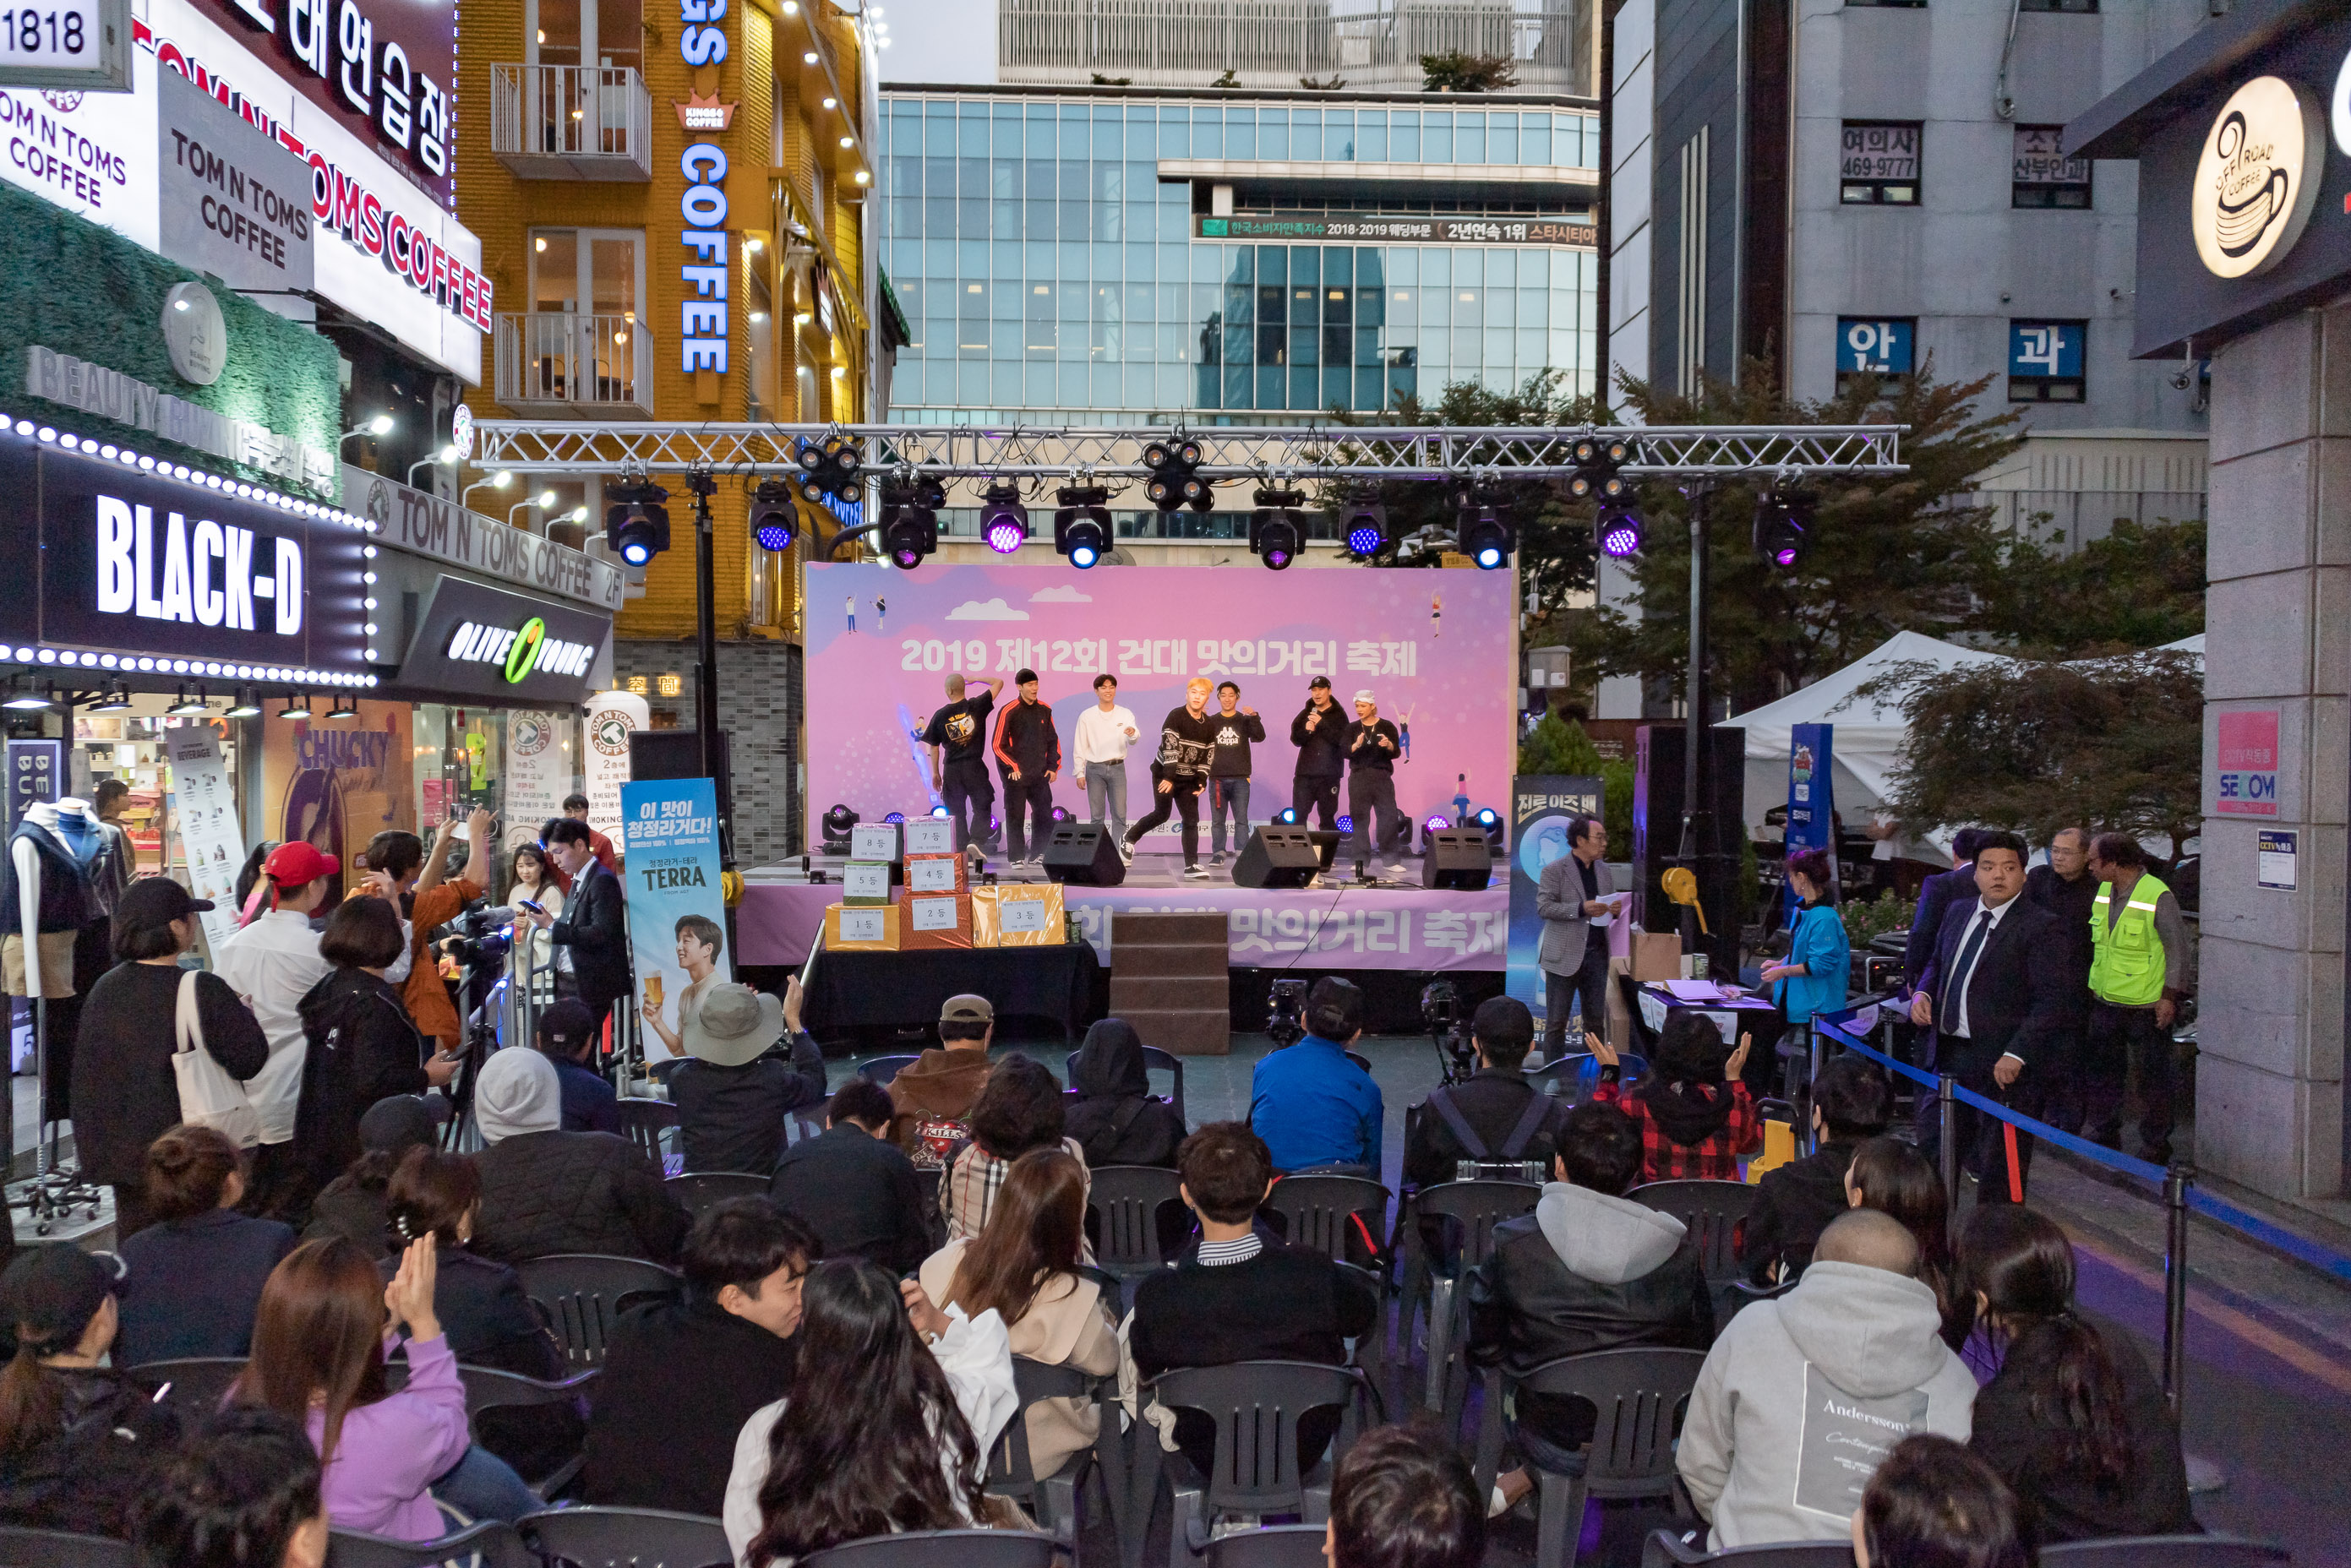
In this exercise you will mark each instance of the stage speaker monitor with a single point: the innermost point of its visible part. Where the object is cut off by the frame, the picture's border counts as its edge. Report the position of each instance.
(1085, 854)
(1457, 857)
(1277, 856)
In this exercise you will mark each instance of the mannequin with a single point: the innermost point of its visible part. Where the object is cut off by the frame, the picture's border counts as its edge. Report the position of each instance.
(52, 904)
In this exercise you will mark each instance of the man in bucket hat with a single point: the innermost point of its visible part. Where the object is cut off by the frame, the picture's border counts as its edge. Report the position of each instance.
(749, 1064)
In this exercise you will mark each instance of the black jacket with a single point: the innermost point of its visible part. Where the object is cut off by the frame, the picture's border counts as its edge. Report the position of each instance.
(345, 1208)
(1321, 754)
(732, 1119)
(1371, 756)
(1287, 1303)
(84, 1477)
(1936, 895)
(574, 1192)
(859, 1194)
(1234, 732)
(594, 926)
(678, 1383)
(1792, 1206)
(1114, 1116)
(191, 1286)
(487, 1318)
(2073, 903)
(1025, 739)
(125, 1093)
(2016, 992)
(362, 1048)
(1493, 1102)
(2067, 1503)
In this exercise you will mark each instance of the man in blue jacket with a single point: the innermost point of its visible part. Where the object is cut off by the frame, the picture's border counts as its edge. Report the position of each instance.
(1313, 1106)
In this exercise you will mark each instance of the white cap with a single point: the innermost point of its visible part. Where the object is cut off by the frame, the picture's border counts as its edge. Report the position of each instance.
(1365, 696)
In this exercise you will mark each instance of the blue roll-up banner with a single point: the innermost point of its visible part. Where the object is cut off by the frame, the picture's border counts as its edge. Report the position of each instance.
(1812, 795)
(1541, 806)
(677, 910)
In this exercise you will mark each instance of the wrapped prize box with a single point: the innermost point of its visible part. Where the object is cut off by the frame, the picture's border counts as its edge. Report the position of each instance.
(937, 874)
(930, 836)
(861, 928)
(933, 920)
(866, 882)
(873, 841)
(1026, 915)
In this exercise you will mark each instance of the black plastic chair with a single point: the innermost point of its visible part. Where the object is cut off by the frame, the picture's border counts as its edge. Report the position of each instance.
(1317, 1210)
(1712, 1211)
(645, 1120)
(940, 1549)
(493, 1543)
(882, 1069)
(2165, 1552)
(1360, 1060)
(627, 1538)
(198, 1384)
(22, 1548)
(1271, 1546)
(582, 1294)
(1740, 1294)
(1154, 1060)
(698, 1190)
(489, 1388)
(1255, 1406)
(1126, 1201)
(1664, 1548)
(1052, 1501)
(1475, 1208)
(1564, 1077)
(801, 1125)
(1638, 1398)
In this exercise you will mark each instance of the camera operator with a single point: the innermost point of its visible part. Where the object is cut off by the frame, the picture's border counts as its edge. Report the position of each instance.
(401, 871)
(1495, 1114)
(594, 924)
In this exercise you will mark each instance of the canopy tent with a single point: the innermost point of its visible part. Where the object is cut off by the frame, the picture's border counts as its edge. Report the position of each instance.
(1869, 732)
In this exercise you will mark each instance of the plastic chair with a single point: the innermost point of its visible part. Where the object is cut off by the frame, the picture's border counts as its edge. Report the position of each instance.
(493, 1543)
(1664, 1548)
(1638, 1396)
(645, 1120)
(1154, 1060)
(2165, 1552)
(940, 1549)
(1712, 1211)
(1563, 1077)
(1125, 1201)
(1475, 1208)
(799, 1126)
(627, 1538)
(1360, 1060)
(489, 1388)
(1272, 1546)
(582, 1294)
(199, 1384)
(1318, 1207)
(698, 1190)
(1255, 1406)
(1740, 1294)
(1052, 1501)
(22, 1548)
(882, 1069)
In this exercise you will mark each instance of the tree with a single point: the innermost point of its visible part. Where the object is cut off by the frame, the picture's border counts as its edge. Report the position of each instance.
(1454, 71)
(1561, 747)
(2139, 586)
(1102, 80)
(1335, 82)
(1229, 79)
(2113, 743)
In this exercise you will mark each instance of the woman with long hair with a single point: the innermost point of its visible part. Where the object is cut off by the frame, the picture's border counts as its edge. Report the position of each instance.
(480, 1304)
(1893, 1177)
(1695, 1113)
(1811, 979)
(932, 1390)
(1021, 1107)
(531, 876)
(1023, 1266)
(2073, 1421)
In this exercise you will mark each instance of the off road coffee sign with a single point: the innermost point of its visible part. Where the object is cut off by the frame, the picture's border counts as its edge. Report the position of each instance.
(2258, 178)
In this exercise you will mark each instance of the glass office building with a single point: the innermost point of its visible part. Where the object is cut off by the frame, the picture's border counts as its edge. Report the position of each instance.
(1099, 256)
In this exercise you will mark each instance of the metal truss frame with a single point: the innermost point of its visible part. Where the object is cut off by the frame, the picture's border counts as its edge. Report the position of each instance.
(1043, 452)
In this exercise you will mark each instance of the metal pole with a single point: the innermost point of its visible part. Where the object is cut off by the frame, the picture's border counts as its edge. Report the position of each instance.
(705, 658)
(1812, 1134)
(1694, 706)
(1946, 1114)
(2175, 1285)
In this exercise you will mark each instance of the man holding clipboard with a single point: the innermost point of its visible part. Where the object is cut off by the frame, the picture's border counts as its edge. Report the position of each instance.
(1576, 898)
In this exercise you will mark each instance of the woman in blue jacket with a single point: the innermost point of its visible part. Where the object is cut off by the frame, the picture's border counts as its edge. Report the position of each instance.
(1811, 979)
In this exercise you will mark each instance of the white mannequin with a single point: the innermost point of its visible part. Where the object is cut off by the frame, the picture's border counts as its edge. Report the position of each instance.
(42, 814)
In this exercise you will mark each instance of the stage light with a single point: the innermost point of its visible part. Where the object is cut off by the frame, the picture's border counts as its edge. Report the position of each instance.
(829, 467)
(1081, 524)
(187, 706)
(1437, 823)
(1784, 522)
(297, 706)
(116, 701)
(941, 812)
(1287, 816)
(1175, 479)
(1487, 818)
(1366, 528)
(1596, 459)
(1062, 814)
(837, 822)
(894, 818)
(773, 518)
(636, 523)
(909, 522)
(244, 707)
(1276, 530)
(1003, 521)
(1346, 825)
(1483, 533)
(1619, 532)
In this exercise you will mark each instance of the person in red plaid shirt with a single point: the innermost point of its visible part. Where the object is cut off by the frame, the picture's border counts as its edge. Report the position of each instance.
(1697, 1117)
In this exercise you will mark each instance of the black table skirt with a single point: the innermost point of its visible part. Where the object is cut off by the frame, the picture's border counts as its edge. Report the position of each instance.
(901, 990)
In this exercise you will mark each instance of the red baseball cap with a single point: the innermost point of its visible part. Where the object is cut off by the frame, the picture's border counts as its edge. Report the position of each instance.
(297, 863)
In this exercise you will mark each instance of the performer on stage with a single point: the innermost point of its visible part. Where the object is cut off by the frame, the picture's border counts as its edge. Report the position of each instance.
(961, 780)
(1229, 776)
(1104, 731)
(1028, 754)
(1187, 744)
(1321, 756)
(1372, 744)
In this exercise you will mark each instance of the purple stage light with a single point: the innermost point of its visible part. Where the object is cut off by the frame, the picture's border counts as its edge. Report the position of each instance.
(1362, 539)
(1620, 537)
(896, 818)
(1346, 824)
(1004, 535)
(1435, 823)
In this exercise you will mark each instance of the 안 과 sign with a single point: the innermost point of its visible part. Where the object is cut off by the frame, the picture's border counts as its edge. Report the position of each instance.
(2255, 183)
(475, 640)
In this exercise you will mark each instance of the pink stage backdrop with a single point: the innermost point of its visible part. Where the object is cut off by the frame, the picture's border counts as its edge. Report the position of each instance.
(1434, 645)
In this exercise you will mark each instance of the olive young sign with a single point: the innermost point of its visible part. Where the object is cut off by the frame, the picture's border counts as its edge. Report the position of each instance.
(475, 640)
(2255, 183)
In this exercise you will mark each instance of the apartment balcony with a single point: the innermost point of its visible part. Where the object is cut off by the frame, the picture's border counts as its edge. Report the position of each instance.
(571, 123)
(572, 365)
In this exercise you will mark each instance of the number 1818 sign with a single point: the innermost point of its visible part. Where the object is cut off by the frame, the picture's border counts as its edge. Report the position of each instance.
(83, 45)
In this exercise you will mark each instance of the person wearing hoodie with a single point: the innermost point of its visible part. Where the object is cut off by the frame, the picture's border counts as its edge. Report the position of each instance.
(933, 1096)
(1802, 1395)
(362, 1046)
(1853, 1100)
(354, 1205)
(545, 1190)
(1695, 1114)
(1115, 1118)
(1589, 1270)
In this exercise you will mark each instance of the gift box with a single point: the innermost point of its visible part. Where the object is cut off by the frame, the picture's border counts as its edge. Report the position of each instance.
(873, 841)
(1023, 915)
(938, 874)
(930, 836)
(933, 920)
(866, 882)
(861, 928)
(1656, 955)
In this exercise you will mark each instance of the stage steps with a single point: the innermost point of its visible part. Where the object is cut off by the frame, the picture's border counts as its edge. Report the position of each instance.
(1169, 978)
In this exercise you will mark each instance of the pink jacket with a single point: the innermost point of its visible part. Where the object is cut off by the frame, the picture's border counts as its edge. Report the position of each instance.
(392, 1451)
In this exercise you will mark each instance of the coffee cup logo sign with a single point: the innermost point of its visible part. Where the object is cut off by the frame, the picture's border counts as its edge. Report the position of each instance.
(518, 652)
(2256, 182)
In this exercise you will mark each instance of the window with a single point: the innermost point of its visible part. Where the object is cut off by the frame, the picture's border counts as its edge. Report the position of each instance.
(1880, 163)
(2077, 8)
(2043, 175)
(1868, 348)
(2045, 362)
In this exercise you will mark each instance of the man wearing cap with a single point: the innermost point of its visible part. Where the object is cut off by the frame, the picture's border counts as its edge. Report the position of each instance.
(737, 1087)
(272, 963)
(1322, 758)
(934, 1097)
(566, 1033)
(1372, 745)
(1028, 754)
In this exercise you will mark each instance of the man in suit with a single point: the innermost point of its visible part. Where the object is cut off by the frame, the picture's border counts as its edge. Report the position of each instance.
(1994, 991)
(1935, 896)
(1576, 891)
(594, 924)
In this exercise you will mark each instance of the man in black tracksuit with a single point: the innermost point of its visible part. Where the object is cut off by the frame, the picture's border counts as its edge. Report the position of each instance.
(1321, 757)
(1370, 744)
(1028, 754)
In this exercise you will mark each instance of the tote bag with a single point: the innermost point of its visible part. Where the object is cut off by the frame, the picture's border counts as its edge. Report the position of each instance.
(209, 1097)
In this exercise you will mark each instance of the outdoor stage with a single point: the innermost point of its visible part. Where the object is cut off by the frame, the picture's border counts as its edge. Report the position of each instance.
(1392, 925)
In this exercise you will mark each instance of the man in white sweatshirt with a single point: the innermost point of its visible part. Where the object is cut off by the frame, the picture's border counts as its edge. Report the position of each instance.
(1104, 731)
(1801, 1398)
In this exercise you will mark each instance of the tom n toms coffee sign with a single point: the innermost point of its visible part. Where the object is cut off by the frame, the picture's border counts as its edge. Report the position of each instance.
(475, 640)
(2257, 180)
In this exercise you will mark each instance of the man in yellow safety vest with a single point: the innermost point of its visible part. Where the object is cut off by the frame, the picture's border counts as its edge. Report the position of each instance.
(2139, 976)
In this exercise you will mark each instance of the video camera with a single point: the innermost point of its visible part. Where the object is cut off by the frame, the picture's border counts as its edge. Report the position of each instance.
(1286, 1023)
(1449, 1029)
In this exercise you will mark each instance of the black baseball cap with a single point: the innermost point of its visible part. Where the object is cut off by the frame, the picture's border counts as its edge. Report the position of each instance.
(566, 1026)
(49, 1294)
(1323, 681)
(157, 901)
